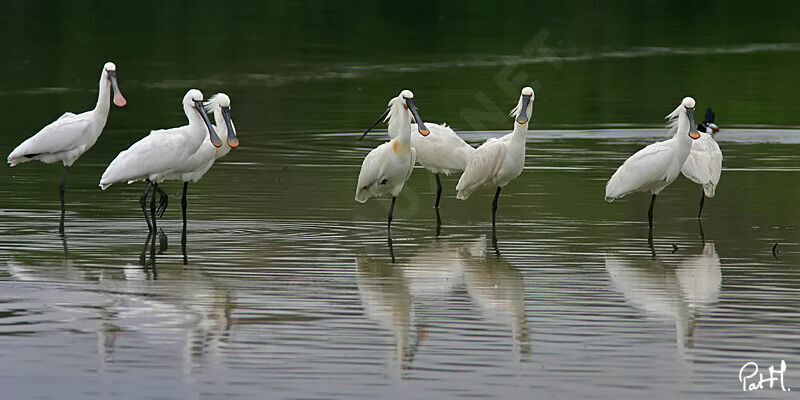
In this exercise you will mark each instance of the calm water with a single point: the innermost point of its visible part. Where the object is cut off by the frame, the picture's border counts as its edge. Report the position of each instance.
(291, 289)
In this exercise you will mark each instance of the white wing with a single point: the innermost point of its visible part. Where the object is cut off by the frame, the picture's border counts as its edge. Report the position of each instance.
(372, 173)
(647, 169)
(442, 151)
(413, 160)
(69, 132)
(481, 168)
(704, 164)
(155, 153)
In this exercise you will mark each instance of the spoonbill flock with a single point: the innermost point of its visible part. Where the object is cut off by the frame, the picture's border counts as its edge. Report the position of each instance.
(187, 152)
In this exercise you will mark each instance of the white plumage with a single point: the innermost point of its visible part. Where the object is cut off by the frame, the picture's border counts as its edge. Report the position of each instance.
(387, 167)
(68, 137)
(654, 167)
(704, 164)
(442, 151)
(499, 160)
(196, 165)
(385, 170)
(163, 152)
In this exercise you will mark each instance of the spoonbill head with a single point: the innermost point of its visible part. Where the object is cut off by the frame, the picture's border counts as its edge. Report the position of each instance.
(193, 102)
(399, 114)
(110, 73)
(524, 109)
(220, 105)
(688, 104)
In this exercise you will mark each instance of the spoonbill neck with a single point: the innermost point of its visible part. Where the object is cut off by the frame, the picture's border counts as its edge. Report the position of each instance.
(400, 123)
(520, 131)
(682, 134)
(195, 120)
(103, 96)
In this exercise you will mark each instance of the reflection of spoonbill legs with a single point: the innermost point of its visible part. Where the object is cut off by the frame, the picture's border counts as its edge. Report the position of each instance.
(387, 167)
(676, 295)
(162, 152)
(386, 299)
(499, 160)
(68, 137)
(704, 164)
(654, 167)
(498, 289)
(201, 161)
(441, 152)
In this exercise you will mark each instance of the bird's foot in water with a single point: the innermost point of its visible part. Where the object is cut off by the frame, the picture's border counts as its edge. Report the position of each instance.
(162, 241)
(163, 202)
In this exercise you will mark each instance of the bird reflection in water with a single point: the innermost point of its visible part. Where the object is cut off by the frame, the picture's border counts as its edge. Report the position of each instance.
(196, 312)
(392, 292)
(667, 293)
(386, 299)
(498, 288)
(150, 243)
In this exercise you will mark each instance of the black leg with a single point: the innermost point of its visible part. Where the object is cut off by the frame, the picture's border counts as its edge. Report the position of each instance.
(494, 243)
(61, 187)
(650, 212)
(438, 223)
(163, 241)
(391, 211)
(143, 202)
(438, 190)
(650, 225)
(389, 241)
(143, 255)
(183, 210)
(702, 235)
(494, 204)
(702, 200)
(163, 201)
(153, 217)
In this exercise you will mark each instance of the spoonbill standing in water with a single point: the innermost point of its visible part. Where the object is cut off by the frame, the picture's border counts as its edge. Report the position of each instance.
(387, 167)
(499, 160)
(162, 153)
(68, 137)
(654, 167)
(441, 152)
(194, 167)
(704, 164)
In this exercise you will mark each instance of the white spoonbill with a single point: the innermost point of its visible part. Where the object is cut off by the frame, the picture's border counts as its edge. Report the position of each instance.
(654, 167)
(498, 161)
(387, 167)
(704, 164)
(68, 137)
(441, 152)
(161, 153)
(194, 167)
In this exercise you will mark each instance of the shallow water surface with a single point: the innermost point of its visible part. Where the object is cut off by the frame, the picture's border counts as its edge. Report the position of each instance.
(294, 289)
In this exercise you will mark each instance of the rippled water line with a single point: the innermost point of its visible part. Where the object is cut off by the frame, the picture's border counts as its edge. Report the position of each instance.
(349, 71)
